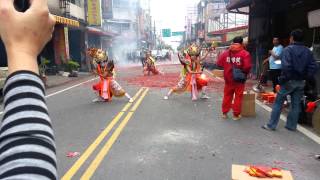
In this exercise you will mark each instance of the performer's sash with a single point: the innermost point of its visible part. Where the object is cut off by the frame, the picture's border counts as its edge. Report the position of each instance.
(105, 85)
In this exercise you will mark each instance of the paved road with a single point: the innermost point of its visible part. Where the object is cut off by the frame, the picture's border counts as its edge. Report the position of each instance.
(178, 139)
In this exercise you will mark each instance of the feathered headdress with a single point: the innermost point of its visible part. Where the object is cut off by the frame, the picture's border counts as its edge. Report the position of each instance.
(98, 55)
(194, 50)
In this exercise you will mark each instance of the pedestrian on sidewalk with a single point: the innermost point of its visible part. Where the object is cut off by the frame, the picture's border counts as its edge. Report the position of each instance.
(27, 145)
(275, 63)
(298, 65)
(236, 57)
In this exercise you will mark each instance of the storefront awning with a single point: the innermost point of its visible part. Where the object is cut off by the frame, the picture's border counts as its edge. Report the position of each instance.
(100, 32)
(236, 4)
(66, 21)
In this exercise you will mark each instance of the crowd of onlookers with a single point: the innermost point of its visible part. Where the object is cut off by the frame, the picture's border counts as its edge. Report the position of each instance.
(290, 67)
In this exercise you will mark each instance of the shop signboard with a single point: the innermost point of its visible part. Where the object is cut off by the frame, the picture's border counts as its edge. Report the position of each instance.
(66, 37)
(201, 34)
(107, 9)
(94, 12)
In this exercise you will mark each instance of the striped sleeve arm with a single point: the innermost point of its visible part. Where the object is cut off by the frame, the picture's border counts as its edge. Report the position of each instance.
(27, 145)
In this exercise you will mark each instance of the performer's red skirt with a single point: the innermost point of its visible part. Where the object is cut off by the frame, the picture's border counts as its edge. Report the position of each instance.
(97, 87)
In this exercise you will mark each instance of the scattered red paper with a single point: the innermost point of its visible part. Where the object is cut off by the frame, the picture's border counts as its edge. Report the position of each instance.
(263, 172)
(169, 80)
(73, 154)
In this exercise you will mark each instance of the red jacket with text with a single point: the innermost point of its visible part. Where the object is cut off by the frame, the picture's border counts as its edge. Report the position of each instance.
(236, 55)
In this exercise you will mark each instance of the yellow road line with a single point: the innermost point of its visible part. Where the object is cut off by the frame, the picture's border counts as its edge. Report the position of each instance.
(106, 148)
(77, 165)
(127, 106)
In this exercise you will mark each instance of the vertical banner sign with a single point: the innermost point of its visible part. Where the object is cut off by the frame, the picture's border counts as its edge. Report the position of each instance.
(201, 34)
(60, 45)
(106, 9)
(94, 13)
(66, 37)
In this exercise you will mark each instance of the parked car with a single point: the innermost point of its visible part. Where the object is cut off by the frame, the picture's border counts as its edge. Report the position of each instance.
(159, 55)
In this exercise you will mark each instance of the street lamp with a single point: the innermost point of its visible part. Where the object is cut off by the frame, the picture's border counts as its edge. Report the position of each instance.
(202, 23)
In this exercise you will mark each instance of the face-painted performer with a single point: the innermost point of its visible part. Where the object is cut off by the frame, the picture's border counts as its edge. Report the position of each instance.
(150, 65)
(192, 78)
(104, 68)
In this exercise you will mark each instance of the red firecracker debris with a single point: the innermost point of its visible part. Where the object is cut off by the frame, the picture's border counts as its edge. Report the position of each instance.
(169, 80)
(72, 154)
(263, 172)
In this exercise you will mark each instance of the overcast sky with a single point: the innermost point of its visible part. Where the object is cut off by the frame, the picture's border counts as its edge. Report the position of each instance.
(171, 13)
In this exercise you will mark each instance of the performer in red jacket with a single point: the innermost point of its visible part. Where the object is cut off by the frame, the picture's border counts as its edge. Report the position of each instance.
(235, 57)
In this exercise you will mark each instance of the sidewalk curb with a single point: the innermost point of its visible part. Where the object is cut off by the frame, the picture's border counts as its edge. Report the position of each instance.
(300, 128)
(66, 82)
(313, 136)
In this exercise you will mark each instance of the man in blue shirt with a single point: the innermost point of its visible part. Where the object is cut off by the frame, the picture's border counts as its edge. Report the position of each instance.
(275, 62)
(298, 65)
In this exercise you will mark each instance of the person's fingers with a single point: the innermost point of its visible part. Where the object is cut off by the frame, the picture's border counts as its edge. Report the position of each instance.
(51, 24)
(6, 7)
(6, 4)
(52, 20)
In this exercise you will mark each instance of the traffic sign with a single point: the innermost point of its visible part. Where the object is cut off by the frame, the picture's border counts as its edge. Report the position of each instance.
(178, 33)
(166, 32)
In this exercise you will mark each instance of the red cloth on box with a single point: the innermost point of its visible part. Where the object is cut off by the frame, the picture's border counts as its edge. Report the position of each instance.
(311, 106)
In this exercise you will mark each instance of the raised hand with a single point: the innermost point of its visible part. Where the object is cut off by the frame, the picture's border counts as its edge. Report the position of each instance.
(25, 33)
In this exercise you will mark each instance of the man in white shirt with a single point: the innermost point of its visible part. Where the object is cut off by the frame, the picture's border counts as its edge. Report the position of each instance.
(275, 62)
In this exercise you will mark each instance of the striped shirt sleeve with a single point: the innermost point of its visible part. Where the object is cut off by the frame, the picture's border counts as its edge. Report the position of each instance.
(27, 145)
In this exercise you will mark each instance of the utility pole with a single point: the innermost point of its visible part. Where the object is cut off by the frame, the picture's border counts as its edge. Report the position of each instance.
(154, 36)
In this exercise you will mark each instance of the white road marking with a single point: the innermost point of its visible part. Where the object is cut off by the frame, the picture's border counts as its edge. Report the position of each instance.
(300, 128)
(67, 89)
